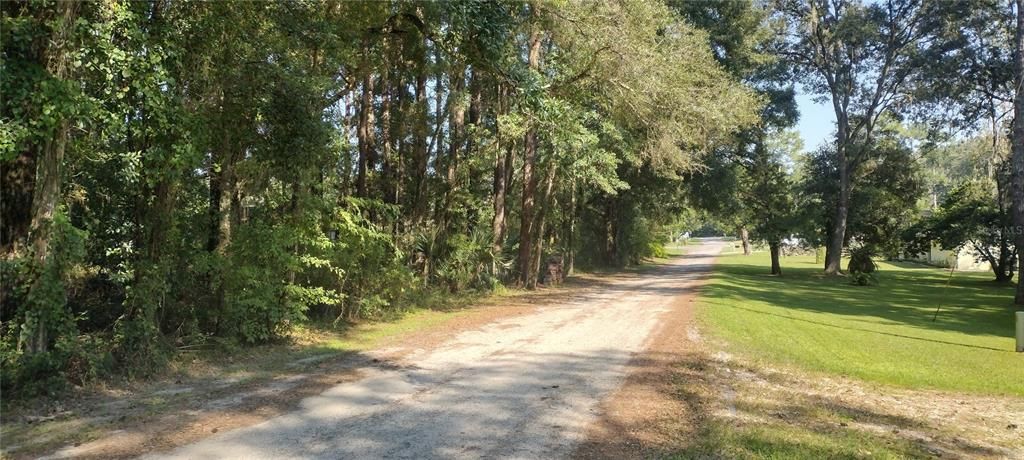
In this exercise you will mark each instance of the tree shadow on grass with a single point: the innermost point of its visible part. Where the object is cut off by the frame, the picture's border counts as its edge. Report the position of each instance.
(732, 411)
(967, 305)
(871, 331)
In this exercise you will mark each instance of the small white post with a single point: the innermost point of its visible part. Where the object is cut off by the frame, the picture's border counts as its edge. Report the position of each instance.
(1020, 331)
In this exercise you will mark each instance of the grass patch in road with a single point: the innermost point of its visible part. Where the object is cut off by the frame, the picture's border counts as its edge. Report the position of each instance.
(882, 333)
(370, 335)
(676, 249)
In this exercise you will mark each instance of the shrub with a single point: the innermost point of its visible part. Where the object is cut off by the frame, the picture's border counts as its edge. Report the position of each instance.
(39, 342)
(862, 266)
(469, 262)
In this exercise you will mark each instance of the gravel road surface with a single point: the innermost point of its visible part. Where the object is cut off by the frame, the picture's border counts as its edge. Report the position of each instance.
(522, 387)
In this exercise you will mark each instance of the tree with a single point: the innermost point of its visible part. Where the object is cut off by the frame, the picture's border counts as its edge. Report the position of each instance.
(758, 196)
(970, 77)
(769, 192)
(740, 36)
(1018, 147)
(41, 101)
(862, 57)
(970, 217)
(176, 173)
(885, 201)
(643, 133)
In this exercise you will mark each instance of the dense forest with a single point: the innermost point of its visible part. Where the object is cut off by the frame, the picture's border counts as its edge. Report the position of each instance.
(178, 173)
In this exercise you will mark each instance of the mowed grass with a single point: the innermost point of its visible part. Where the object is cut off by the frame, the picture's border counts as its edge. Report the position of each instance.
(881, 333)
(777, 440)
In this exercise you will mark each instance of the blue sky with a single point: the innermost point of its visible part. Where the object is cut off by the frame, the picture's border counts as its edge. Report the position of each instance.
(817, 121)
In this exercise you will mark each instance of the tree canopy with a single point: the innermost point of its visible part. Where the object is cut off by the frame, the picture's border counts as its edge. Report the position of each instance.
(181, 172)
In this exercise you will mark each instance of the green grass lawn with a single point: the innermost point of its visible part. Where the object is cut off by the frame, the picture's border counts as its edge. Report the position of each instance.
(882, 333)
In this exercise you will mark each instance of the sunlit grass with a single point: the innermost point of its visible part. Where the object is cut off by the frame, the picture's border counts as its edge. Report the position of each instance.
(369, 335)
(676, 249)
(778, 440)
(882, 333)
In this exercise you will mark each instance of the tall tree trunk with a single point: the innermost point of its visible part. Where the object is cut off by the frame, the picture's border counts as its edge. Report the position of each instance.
(526, 230)
(348, 121)
(151, 268)
(402, 150)
(222, 189)
(439, 123)
(610, 231)
(47, 158)
(539, 225)
(46, 194)
(499, 189)
(1018, 152)
(155, 222)
(570, 263)
(366, 132)
(476, 102)
(502, 173)
(46, 187)
(745, 239)
(776, 266)
(30, 183)
(44, 204)
(510, 184)
(837, 234)
(456, 126)
(224, 218)
(420, 153)
(473, 118)
(388, 184)
(224, 201)
(295, 209)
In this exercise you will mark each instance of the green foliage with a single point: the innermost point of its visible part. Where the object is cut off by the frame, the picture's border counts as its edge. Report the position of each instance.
(882, 205)
(234, 169)
(470, 262)
(975, 214)
(40, 346)
(967, 78)
(969, 213)
(365, 266)
(862, 267)
(259, 304)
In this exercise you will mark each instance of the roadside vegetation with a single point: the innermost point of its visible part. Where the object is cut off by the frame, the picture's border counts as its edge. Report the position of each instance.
(181, 175)
(227, 386)
(185, 182)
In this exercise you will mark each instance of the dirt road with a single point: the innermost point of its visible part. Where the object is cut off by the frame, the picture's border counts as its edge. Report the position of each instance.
(522, 387)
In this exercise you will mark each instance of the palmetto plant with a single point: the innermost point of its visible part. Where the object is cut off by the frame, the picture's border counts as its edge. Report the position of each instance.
(471, 261)
(862, 266)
